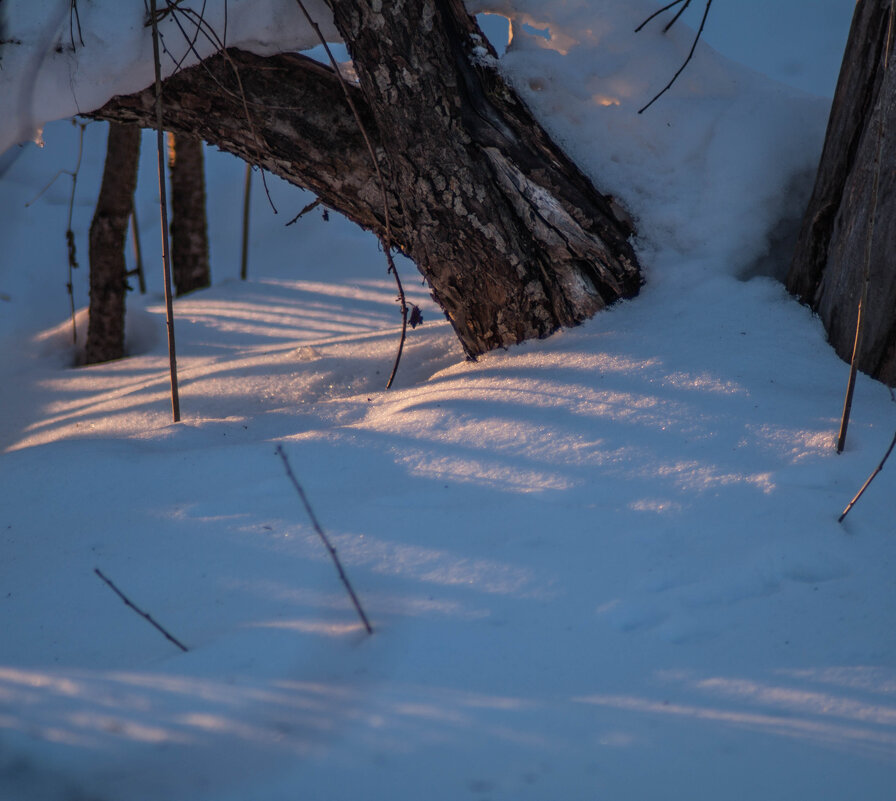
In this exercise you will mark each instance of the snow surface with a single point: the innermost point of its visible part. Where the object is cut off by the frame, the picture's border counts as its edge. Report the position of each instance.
(606, 565)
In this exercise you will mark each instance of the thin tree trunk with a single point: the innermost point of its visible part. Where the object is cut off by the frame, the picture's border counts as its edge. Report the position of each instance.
(827, 271)
(299, 126)
(108, 232)
(189, 229)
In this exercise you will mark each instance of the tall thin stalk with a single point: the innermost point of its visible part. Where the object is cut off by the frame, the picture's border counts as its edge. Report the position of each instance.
(163, 213)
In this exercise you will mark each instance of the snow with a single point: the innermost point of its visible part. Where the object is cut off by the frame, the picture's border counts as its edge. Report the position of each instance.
(67, 58)
(602, 565)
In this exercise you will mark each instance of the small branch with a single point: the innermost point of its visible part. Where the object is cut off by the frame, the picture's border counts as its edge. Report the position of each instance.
(687, 61)
(148, 618)
(870, 479)
(264, 183)
(320, 532)
(70, 234)
(201, 26)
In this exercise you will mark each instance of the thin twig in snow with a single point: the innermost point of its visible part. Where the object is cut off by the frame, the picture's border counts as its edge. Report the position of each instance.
(870, 479)
(69, 233)
(326, 541)
(312, 205)
(147, 617)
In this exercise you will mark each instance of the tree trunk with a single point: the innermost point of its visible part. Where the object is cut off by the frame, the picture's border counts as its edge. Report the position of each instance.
(189, 230)
(827, 271)
(513, 239)
(108, 232)
(298, 126)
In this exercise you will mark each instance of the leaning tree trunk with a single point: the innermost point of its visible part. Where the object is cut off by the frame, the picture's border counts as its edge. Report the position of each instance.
(108, 231)
(829, 264)
(189, 229)
(513, 239)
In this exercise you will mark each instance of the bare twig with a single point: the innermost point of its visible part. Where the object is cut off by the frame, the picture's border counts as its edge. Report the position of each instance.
(74, 18)
(264, 183)
(404, 319)
(163, 213)
(870, 479)
(677, 15)
(148, 618)
(690, 54)
(320, 532)
(196, 32)
(387, 244)
(866, 269)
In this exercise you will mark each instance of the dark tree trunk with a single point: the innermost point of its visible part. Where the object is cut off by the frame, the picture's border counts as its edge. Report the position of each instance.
(299, 126)
(108, 231)
(513, 239)
(828, 267)
(189, 229)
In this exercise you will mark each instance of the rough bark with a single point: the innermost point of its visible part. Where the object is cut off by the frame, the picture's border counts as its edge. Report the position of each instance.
(108, 232)
(827, 271)
(513, 239)
(285, 113)
(189, 230)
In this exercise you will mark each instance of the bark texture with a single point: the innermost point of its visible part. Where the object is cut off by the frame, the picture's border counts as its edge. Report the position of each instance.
(189, 229)
(108, 232)
(512, 238)
(827, 271)
(286, 114)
